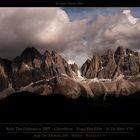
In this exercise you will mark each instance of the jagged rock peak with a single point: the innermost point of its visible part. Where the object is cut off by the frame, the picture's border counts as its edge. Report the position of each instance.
(91, 67)
(88, 61)
(54, 53)
(110, 53)
(47, 53)
(123, 60)
(74, 67)
(131, 52)
(32, 57)
(120, 50)
(30, 53)
(125, 51)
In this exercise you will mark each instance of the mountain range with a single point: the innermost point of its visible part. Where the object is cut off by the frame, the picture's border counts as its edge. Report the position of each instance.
(114, 73)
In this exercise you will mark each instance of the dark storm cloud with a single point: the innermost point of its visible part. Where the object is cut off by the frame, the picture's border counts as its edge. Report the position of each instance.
(52, 29)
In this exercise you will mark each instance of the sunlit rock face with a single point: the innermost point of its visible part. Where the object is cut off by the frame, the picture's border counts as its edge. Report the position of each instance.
(109, 66)
(54, 65)
(91, 68)
(74, 68)
(100, 66)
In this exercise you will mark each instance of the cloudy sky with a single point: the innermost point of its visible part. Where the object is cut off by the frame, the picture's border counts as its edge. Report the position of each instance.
(75, 32)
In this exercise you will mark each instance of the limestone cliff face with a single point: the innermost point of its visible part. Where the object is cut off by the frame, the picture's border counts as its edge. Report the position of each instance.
(112, 64)
(128, 61)
(54, 65)
(108, 66)
(31, 66)
(27, 68)
(74, 68)
(114, 73)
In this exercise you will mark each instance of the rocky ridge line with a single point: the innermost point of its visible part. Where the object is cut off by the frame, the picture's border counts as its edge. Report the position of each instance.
(114, 73)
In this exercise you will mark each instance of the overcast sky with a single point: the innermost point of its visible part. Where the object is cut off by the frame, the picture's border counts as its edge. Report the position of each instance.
(76, 33)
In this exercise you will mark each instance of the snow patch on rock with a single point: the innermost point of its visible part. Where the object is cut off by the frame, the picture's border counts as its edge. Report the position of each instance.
(71, 61)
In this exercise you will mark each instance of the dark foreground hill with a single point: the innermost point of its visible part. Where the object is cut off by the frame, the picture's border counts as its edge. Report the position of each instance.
(27, 107)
